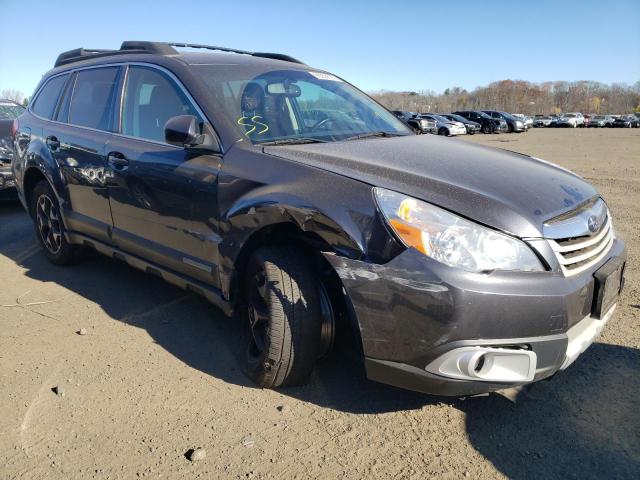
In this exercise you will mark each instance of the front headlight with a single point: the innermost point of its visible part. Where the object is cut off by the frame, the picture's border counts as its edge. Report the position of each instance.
(451, 239)
(519, 123)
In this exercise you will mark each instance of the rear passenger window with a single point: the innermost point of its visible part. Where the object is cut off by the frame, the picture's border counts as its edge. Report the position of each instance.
(46, 101)
(150, 99)
(93, 97)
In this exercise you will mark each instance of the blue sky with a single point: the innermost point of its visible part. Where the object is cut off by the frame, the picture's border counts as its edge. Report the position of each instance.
(392, 45)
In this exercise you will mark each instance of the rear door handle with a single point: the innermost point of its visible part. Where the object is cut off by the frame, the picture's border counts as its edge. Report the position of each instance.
(117, 161)
(53, 143)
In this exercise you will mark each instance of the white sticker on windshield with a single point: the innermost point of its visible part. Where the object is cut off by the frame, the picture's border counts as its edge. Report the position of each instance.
(325, 76)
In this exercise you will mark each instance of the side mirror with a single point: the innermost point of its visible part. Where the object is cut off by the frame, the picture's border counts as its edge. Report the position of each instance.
(182, 131)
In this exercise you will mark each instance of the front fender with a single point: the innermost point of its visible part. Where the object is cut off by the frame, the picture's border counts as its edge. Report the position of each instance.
(264, 207)
(259, 193)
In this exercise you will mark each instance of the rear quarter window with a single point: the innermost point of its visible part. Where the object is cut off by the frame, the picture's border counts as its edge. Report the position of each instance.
(46, 101)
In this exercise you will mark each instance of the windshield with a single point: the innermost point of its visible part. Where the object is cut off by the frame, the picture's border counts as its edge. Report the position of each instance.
(438, 118)
(267, 106)
(10, 111)
(569, 115)
(457, 118)
(599, 117)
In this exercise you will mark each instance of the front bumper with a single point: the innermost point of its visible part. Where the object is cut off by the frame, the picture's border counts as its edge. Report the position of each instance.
(413, 310)
(458, 131)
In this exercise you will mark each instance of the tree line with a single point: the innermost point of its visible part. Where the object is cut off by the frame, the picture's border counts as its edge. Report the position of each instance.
(519, 96)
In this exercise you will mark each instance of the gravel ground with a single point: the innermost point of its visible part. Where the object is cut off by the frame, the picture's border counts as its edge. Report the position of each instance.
(109, 373)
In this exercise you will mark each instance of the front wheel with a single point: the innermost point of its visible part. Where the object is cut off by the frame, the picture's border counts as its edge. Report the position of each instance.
(49, 226)
(486, 128)
(444, 132)
(285, 317)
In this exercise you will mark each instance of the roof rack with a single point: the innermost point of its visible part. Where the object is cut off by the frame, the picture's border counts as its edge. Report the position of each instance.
(158, 48)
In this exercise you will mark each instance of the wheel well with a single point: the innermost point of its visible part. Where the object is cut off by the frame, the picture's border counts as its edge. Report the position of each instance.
(346, 326)
(32, 177)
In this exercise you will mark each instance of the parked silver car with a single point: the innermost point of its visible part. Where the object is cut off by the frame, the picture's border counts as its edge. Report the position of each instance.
(528, 121)
(542, 121)
(601, 121)
(573, 120)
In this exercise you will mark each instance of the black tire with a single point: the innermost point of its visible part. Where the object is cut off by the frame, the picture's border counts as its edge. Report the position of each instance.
(284, 312)
(486, 128)
(50, 229)
(443, 132)
(509, 128)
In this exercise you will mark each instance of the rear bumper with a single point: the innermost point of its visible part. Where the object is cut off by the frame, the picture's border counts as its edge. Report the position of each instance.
(7, 180)
(413, 310)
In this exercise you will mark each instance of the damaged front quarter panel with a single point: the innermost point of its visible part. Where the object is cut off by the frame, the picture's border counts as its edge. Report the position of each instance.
(395, 304)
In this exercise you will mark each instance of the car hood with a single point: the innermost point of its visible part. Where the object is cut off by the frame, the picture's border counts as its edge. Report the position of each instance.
(505, 190)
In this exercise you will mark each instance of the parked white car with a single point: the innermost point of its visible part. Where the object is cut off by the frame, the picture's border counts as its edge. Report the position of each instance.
(572, 120)
(445, 126)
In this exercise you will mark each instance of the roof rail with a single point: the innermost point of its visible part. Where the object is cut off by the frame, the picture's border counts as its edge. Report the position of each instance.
(274, 56)
(158, 48)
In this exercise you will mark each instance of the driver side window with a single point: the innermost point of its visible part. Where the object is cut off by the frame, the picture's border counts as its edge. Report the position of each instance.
(150, 99)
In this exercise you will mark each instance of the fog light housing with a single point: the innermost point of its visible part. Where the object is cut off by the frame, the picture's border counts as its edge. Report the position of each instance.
(486, 364)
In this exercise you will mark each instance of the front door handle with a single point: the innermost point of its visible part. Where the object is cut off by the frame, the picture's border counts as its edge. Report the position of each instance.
(117, 161)
(53, 143)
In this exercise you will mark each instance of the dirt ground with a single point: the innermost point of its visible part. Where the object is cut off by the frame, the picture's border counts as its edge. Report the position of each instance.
(156, 375)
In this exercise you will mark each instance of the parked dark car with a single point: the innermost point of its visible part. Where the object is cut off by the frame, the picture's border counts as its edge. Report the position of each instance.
(418, 124)
(472, 127)
(626, 121)
(285, 194)
(9, 111)
(513, 124)
(487, 124)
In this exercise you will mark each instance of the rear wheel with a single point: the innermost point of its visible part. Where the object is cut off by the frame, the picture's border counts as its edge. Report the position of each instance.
(285, 317)
(49, 226)
(443, 131)
(486, 128)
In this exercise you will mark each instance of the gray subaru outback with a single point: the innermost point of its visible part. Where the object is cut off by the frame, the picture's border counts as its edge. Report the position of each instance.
(282, 193)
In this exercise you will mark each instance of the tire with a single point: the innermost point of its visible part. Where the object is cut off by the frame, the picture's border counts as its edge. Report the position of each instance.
(509, 128)
(486, 128)
(50, 229)
(443, 132)
(285, 318)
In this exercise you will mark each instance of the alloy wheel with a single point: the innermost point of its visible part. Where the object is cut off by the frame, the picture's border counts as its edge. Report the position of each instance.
(258, 313)
(49, 224)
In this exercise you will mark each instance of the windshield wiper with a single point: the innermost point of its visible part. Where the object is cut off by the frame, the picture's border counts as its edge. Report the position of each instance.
(294, 141)
(374, 134)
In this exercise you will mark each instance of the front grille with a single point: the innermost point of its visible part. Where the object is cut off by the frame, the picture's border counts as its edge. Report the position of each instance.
(577, 254)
